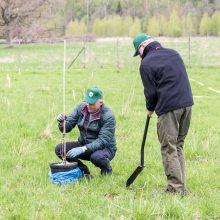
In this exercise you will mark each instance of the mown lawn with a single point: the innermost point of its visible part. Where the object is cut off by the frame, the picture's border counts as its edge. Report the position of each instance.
(31, 98)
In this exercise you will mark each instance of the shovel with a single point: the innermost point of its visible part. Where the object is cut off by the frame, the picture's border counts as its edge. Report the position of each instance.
(141, 166)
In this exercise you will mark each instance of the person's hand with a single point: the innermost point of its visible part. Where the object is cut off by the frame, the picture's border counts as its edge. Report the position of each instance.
(60, 118)
(150, 113)
(76, 152)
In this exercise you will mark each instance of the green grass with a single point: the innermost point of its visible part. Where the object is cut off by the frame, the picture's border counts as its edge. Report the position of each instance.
(29, 133)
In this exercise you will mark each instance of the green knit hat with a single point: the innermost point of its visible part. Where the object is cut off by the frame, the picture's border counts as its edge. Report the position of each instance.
(92, 95)
(138, 40)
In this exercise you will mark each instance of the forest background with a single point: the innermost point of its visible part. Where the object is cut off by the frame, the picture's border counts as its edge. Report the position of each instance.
(37, 19)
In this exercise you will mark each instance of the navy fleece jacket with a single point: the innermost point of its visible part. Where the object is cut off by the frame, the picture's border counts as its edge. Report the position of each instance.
(165, 81)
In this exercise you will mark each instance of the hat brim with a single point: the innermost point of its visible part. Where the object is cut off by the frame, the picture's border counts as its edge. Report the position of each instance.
(136, 53)
(90, 100)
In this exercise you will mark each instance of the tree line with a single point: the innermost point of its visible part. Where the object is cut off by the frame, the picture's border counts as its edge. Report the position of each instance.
(41, 18)
(175, 26)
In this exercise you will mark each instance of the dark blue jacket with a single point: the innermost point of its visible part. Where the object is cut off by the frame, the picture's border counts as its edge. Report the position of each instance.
(165, 81)
(98, 133)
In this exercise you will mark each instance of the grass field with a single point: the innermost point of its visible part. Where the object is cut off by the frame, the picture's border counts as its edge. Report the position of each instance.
(31, 98)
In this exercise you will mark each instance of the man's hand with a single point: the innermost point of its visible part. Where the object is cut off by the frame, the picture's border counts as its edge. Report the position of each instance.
(60, 118)
(76, 152)
(150, 113)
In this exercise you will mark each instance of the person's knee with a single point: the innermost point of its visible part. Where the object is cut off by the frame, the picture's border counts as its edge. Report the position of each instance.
(97, 158)
(58, 149)
(101, 160)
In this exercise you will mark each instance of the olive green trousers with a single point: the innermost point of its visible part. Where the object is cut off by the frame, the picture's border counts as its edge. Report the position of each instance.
(172, 128)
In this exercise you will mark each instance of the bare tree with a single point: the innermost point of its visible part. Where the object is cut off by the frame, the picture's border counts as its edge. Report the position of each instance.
(15, 14)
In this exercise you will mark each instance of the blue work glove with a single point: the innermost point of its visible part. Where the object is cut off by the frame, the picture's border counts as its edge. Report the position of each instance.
(76, 151)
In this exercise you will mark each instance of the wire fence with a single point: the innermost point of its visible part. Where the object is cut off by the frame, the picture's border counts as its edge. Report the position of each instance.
(197, 52)
(118, 52)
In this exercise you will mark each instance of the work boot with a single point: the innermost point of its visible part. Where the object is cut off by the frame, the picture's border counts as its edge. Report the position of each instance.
(174, 191)
(105, 172)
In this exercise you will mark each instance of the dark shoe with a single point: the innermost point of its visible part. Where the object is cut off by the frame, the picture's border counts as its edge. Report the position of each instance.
(170, 190)
(105, 172)
(174, 191)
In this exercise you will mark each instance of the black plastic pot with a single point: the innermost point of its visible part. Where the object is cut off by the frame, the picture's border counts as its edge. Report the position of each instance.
(61, 167)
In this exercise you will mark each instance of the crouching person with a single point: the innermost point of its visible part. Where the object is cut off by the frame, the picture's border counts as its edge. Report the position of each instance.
(96, 143)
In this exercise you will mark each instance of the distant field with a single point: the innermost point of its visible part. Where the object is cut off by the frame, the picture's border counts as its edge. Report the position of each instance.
(31, 98)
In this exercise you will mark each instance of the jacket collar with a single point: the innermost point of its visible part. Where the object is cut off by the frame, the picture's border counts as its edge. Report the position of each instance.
(150, 47)
(95, 116)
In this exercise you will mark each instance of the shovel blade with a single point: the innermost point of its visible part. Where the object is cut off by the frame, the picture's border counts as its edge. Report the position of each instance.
(134, 175)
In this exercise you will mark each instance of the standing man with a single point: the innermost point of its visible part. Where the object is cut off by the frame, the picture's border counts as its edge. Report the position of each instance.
(96, 143)
(167, 91)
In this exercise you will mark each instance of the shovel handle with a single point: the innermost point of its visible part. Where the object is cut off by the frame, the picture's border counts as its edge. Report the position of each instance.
(143, 141)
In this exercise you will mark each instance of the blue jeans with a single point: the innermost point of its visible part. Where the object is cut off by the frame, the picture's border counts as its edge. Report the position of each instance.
(100, 158)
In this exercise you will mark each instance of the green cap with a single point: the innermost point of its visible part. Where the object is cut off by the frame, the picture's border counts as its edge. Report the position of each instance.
(92, 95)
(138, 40)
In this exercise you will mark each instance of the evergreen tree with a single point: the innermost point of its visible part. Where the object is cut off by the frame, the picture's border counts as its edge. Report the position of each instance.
(174, 26)
(127, 24)
(119, 9)
(188, 26)
(135, 28)
(96, 27)
(162, 25)
(106, 27)
(215, 23)
(153, 26)
(116, 24)
(75, 28)
(205, 25)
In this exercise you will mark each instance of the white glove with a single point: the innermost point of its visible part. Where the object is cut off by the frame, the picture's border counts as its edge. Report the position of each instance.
(60, 118)
(76, 151)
